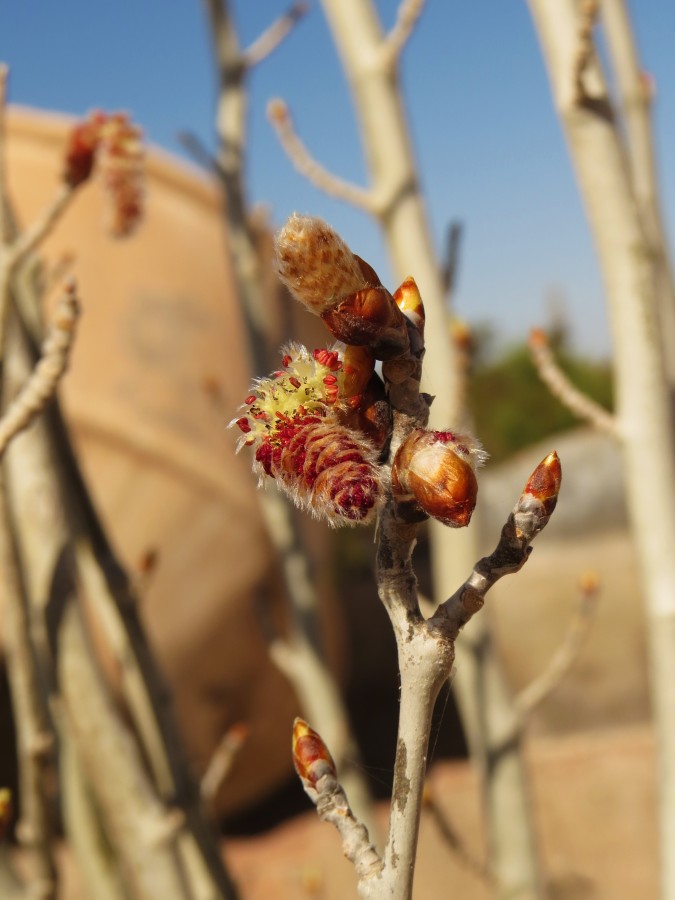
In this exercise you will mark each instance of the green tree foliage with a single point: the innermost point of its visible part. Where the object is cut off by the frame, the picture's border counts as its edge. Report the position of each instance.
(512, 408)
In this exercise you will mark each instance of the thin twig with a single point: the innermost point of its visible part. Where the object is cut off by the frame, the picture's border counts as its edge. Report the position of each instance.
(44, 379)
(190, 142)
(561, 387)
(565, 656)
(453, 837)
(29, 239)
(408, 13)
(221, 761)
(362, 198)
(270, 39)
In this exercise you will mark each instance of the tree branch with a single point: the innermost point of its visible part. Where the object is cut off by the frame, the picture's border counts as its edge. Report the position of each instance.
(561, 387)
(565, 656)
(270, 39)
(44, 379)
(408, 13)
(362, 198)
(585, 49)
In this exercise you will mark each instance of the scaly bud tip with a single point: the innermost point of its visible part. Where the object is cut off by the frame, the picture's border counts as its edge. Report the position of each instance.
(311, 757)
(544, 482)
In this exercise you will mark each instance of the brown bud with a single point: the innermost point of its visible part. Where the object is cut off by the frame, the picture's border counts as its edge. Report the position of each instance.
(544, 482)
(358, 365)
(408, 299)
(437, 469)
(370, 318)
(310, 755)
(6, 810)
(369, 411)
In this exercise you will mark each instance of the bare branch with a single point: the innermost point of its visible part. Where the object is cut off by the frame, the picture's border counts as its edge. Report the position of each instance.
(529, 517)
(452, 837)
(561, 387)
(561, 662)
(270, 39)
(196, 148)
(222, 761)
(409, 12)
(38, 231)
(43, 381)
(362, 198)
(589, 14)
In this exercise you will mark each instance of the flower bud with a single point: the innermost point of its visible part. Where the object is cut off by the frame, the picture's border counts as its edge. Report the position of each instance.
(544, 482)
(369, 318)
(539, 498)
(437, 469)
(113, 142)
(321, 271)
(6, 811)
(311, 757)
(408, 299)
(315, 264)
(82, 143)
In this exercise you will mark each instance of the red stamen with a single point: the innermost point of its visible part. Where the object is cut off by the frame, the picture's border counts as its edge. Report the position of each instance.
(244, 425)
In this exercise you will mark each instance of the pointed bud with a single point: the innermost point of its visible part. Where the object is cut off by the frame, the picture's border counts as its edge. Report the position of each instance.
(369, 318)
(539, 498)
(437, 468)
(6, 811)
(311, 757)
(408, 299)
(544, 482)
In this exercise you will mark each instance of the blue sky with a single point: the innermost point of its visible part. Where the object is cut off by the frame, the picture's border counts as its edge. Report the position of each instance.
(489, 147)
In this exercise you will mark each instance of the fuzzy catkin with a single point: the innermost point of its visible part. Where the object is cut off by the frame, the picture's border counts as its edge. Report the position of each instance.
(315, 264)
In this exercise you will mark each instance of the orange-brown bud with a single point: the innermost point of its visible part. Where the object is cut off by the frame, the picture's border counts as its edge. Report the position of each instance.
(538, 338)
(369, 318)
(544, 482)
(358, 365)
(437, 469)
(311, 757)
(409, 300)
(6, 811)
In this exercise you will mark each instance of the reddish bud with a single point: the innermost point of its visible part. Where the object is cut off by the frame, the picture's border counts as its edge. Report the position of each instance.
(369, 318)
(544, 482)
(6, 811)
(409, 301)
(114, 143)
(311, 757)
(538, 338)
(83, 141)
(437, 469)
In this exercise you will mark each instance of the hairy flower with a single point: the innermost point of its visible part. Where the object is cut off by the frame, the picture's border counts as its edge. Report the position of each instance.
(436, 469)
(113, 143)
(291, 420)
